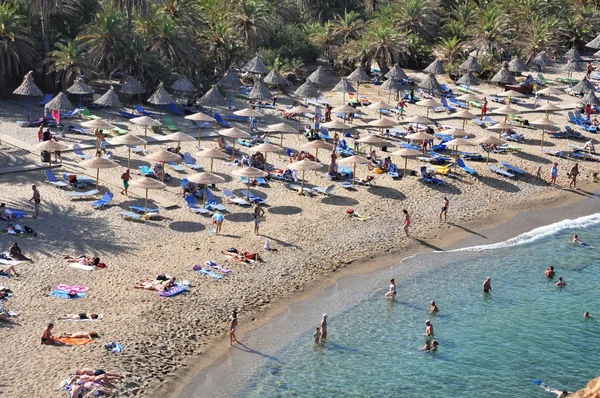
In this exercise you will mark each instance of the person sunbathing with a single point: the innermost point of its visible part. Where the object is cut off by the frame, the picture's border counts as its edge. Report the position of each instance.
(243, 256)
(5, 213)
(365, 180)
(77, 317)
(47, 338)
(8, 271)
(5, 315)
(97, 372)
(16, 254)
(93, 261)
(158, 285)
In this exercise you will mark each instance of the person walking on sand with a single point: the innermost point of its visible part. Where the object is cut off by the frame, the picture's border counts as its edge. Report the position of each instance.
(36, 201)
(484, 107)
(406, 221)
(126, 176)
(573, 173)
(400, 106)
(324, 327)
(553, 174)
(232, 324)
(257, 214)
(487, 285)
(392, 292)
(444, 212)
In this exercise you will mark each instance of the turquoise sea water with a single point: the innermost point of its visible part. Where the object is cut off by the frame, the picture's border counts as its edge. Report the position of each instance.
(489, 345)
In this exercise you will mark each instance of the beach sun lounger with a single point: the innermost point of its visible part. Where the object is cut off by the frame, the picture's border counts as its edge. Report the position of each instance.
(126, 114)
(501, 172)
(512, 168)
(190, 200)
(230, 197)
(47, 98)
(142, 111)
(85, 112)
(174, 110)
(430, 179)
(259, 181)
(176, 166)
(211, 202)
(106, 199)
(146, 171)
(128, 215)
(253, 198)
(170, 124)
(146, 210)
(461, 164)
(79, 152)
(191, 162)
(220, 120)
(78, 130)
(86, 194)
(325, 191)
(51, 179)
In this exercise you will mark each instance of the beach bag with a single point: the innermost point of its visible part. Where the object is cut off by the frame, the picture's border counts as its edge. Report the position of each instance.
(261, 218)
(267, 245)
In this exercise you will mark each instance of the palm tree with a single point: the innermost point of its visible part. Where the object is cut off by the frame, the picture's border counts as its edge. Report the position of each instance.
(221, 43)
(417, 16)
(319, 34)
(489, 30)
(131, 8)
(17, 45)
(356, 51)
(386, 43)
(252, 21)
(65, 62)
(347, 26)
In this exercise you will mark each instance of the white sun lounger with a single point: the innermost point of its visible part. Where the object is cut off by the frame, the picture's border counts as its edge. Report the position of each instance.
(346, 184)
(85, 194)
(512, 168)
(325, 191)
(176, 166)
(299, 188)
(129, 215)
(230, 197)
(501, 172)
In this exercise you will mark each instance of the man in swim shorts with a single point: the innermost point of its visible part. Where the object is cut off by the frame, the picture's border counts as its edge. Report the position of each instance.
(428, 330)
(444, 212)
(487, 285)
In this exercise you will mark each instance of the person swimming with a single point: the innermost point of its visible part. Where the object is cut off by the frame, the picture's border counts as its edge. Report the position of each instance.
(549, 272)
(577, 241)
(433, 307)
(560, 282)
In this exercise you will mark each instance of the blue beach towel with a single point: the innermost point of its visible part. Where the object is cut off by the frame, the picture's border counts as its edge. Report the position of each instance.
(175, 290)
(212, 274)
(65, 295)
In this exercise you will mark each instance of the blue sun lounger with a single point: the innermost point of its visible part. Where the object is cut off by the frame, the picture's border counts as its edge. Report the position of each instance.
(78, 130)
(512, 168)
(190, 200)
(457, 103)
(428, 179)
(501, 172)
(129, 215)
(142, 209)
(47, 98)
(253, 198)
(103, 201)
(479, 122)
(142, 111)
(489, 120)
(126, 114)
(174, 110)
(211, 202)
(146, 171)
(461, 164)
(191, 162)
(259, 180)
(220, 120)
(176, 167)
(51, 179)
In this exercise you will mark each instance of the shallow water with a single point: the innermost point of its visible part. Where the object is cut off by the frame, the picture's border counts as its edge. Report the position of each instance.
(525, 329)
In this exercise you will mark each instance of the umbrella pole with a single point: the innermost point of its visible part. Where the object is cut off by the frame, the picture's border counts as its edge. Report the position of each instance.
(455, 157)
(488, 158)
(464, 122)
(317, 155)
(97, 177)
(199, 134)
(146, 203)
(211, 164)
(145, 136)
(204, 195)
(233, 149)
(128, 157)
(248, 189)
(405, 165)
(163, 171)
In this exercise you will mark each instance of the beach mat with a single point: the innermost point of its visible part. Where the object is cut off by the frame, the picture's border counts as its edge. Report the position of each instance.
(65, 295)
(73, 340)
(205, 271)
(81, 266)
(100, 317)
(175, 290)
(216, 266)
(71, 288)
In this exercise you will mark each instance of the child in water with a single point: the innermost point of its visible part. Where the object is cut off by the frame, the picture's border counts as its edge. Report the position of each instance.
(317, 334)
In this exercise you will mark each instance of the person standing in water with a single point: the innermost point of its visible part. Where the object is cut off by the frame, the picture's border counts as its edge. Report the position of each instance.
(433, 307)
(560, 282)
(549, 272)
(444, 212)
(232, 324)
(324, 327)
(392, 292)
(317, 334)
(406, 225)
(428, 330)
(487, 285)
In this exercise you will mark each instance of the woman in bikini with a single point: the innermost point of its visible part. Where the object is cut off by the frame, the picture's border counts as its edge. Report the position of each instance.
(232, 323)
(406, 221)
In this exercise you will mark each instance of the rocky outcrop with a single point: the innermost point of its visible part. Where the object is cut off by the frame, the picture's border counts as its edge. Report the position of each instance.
(592, 390)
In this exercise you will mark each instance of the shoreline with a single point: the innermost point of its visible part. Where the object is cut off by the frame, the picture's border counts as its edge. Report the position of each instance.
(499, 226)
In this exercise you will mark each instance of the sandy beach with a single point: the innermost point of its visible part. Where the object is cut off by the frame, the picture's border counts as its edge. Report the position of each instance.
(166, 340)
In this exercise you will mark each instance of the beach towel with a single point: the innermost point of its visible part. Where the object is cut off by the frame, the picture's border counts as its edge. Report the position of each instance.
(100, 317)
(114, 347)
(65, 294)
(71, 288)
(73, 340)
(214, 265)
(205, 271)
(175, 290)
(81, 266)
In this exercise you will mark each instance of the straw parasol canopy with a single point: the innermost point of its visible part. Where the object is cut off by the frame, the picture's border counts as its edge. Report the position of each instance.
(200, 117)
(465, 115)
(109, 99)
(345, 109)
(50, 146)
(183, 85)
(506, 110)
(128, 139)
(500, 126)
(455, 143)
(28, 87)
(80, 88)
(469, 97)
(418, 120)
(584, 86)
(274, 77)
(382, 123)
(595, 44)
(457, 133)
(161, 96)
(541, 59)
(211, 154)
(179, 137)
(572, 55)
(147, 183)
(60, 103)
(372, 140)
(145, 121)
(380, 105)
(516, 65)
(163, 157)
(256, 65)
(511, 94)
(428, 103)
(318, 77)
(573, 66)
(343, 87)
(503, 76)
(470, 65)
(420, 136)
(307, 90)
(337, 125)
(248, 112)
(281, 128)
(233, 133)
(212, 98)
(430, 83)
(260, 91)
(589, 98)
(488, 141)
(317, 144)
(354, 160)
(550, 107)
(249, 173)
(298, 110)
(468, 79)
(230, 79)
(132, 87)
(266, 148)
(396, 73)
(406, 153)
(358, 75)
(99, 163)
(303, 166)
(544, 123)
(551, 91)
(391, 85)
(435, 68)
(98, 124)
(205, 178)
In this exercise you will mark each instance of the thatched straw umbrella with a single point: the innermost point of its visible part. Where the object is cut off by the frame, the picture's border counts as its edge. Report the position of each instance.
(467, 98)
(465, 115)
(455, 143)
(260, 91)
(430, 83)
(550, 91)
(318, 77)
(205, 178)
(396, 73)
(266, 148)
(354, 160)
(417, 120)
(468, 79)
(380, 106)
(503, 76)
(391, 85)
(541, 59)
(595, 44)
(249, 113)
(572, 55)
(457, 133)
(132, 87)
(406, 153)
(299, 110)
(373, 140)
(98, 124)
(302, 166)
(161, 96)
(50, 146)
(316, 145)
(583, 87)
(163, 157)
(337, 125)
(199, 117)
(60, 103)
(544, 123)
(435, 68)
(307, 90)
(128, 139)
(256, 65)
(428, 103)
(28, 89)
(109, 99)
(147, 183)
(357, 76)
(488, 141)
(343, 87)
(281, 128)
(382, 123)
(184, 85)
(230, 79)
(212, 98)
(589, 98)
(249, 173)
(211, 154)
(275, 78)
(99, 163)
(145, 121)
(233, 133)
(516, 65)
(470, 65)
(572, 66)
(179, 137)
(80, 88)
(345, 109)
(420, 136)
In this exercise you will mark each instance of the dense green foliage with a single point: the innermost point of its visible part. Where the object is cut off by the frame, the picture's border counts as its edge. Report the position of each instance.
(155, 40)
